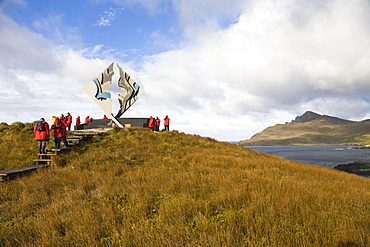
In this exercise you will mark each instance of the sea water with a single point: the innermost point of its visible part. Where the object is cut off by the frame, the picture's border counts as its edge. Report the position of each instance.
(320, 155)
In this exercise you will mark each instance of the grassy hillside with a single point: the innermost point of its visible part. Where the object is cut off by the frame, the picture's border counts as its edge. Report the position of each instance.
(17, 145)
(319, 131)
(139, 188)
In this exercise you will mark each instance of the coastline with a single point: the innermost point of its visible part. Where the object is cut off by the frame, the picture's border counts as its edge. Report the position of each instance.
(361, 168)
(340, 157)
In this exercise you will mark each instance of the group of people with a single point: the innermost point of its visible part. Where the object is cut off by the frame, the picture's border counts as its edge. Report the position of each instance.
(59, 125)
(154, 123)
(88, 119)
(62, 123)
(66, 119)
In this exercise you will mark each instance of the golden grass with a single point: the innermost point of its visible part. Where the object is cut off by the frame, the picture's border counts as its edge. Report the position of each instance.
(17, 145)
(139, 188)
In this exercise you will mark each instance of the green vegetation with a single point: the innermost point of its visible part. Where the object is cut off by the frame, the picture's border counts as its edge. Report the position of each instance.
(139, 188)
(317, 132)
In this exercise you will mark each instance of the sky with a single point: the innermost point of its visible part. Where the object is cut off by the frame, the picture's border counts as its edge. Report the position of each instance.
(220, 69)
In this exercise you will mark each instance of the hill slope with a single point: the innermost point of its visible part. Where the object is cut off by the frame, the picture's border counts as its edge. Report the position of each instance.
(312, 128)
(139, 188)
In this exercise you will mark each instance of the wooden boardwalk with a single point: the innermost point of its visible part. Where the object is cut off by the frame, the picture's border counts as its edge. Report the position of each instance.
(45, 160)
(19, 171)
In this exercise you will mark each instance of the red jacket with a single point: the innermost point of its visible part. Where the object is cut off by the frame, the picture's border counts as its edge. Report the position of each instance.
(58, 128)
(41, 135)
(166, 121)
(69, 119)
(64, 127)
(151, 122)
(78, 121)
(157, 122)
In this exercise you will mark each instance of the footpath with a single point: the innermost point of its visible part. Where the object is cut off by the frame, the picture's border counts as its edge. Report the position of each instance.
(46, 160)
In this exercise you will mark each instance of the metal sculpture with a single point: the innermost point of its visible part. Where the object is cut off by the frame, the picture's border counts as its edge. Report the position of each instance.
(96, 90)
(132, 91)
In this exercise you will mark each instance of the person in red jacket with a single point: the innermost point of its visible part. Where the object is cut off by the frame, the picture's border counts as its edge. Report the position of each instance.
(41, 131)
(64, 132)
(87, 119)
(157, 123)
(69, 120)
(57, 126)
(105, 117)
(151, 123)
(78, 120)
(166, 123)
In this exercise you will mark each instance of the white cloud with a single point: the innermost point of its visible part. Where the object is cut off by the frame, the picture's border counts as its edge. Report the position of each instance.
(287, 55)
(18, 3)
(152, 6)
(37, 77)
(193, 13)
(271, 62)
(108, 16)
(52, 28)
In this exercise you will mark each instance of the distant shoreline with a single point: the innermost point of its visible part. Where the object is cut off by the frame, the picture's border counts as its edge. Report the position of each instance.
(328, 156)
(361, 168)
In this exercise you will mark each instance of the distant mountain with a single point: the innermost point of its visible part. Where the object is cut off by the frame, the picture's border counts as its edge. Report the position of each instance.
(312, 128)
(306, 117)
(309, 116)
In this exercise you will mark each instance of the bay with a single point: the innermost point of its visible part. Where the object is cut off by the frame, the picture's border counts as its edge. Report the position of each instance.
(320, 155)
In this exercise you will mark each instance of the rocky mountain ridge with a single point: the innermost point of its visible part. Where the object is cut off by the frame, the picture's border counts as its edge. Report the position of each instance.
(309, 116)
(312, 129)
(306, 117)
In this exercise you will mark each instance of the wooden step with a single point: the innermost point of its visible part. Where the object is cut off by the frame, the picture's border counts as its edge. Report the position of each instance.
(53, 154)
(73, 140)
(19, 171)
(75, 137)
(57, 150)
(43, 160)
(86, 134)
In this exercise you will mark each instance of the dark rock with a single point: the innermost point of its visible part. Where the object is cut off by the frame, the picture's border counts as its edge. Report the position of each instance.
(361, 168)
(308, 116)
(335, 120)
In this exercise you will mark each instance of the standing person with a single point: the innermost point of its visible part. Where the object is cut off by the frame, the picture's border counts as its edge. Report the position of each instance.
(151, 123)
(166, 123)
(41, 131)
(64, 132)
(53, 120)
(78, 120)
(157, 123)
(105, 117)
(69, 121)
(87, 119)
(57, 126)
